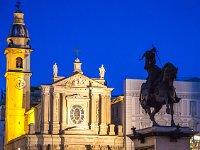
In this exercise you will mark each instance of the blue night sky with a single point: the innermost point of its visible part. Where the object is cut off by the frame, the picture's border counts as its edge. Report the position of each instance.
(110, 32)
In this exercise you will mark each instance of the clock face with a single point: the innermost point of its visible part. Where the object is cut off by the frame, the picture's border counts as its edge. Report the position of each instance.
(77, 114)
(20, 83)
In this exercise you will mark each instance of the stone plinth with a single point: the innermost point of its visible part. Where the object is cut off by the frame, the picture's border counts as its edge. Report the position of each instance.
(162, 138)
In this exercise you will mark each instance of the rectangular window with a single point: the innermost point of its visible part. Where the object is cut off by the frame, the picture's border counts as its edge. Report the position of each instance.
(193, 108)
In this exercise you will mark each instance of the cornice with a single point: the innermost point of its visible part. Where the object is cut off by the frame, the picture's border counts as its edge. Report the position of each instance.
(189, 96)
(182, 95)
(17, 50)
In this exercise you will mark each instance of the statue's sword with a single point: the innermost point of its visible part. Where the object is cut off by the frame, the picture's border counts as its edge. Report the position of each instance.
(158, 58)
(157, 55)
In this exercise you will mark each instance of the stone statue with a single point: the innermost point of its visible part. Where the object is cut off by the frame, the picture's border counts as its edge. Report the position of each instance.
(102, 72)
(158, 90)
(55, 70)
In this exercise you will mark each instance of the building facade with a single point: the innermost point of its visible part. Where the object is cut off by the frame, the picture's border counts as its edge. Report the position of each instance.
(74, 112)
(186, 112)
(117, 109)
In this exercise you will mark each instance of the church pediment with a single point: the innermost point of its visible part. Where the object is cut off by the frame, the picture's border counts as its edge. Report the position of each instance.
(78, 80)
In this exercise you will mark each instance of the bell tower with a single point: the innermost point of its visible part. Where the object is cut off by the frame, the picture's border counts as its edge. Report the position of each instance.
(17, 77)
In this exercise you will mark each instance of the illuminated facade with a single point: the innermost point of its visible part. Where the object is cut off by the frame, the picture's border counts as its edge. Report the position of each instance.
(74, 113)
(17, 79)
(117, 109)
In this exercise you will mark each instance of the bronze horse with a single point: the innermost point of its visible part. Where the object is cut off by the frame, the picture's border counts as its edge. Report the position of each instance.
(162, 92)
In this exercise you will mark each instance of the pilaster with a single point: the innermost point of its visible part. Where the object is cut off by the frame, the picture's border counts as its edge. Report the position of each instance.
(63, 112)
(103, 125)
(94, 113)
(45, 111)
(55, 121)
(108, 104)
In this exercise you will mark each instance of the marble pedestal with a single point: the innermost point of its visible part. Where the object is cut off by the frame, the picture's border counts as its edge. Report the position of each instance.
(162, 138)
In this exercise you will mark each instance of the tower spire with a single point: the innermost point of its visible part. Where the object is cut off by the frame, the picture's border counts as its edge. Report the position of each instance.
(18, 36)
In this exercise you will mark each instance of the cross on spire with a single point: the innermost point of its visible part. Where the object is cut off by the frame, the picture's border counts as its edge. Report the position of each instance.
(18, 4)
(77, 51)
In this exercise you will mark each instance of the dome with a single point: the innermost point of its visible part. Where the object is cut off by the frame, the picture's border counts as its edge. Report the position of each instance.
(18, 30)
(18, 36)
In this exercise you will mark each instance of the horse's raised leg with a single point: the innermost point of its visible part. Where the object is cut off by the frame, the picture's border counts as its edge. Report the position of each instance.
(172, 115)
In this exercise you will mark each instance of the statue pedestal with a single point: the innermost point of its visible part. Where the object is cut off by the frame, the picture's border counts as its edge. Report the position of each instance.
(162, 138)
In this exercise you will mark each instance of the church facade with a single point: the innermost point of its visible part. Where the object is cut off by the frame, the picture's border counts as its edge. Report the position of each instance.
(74, 113)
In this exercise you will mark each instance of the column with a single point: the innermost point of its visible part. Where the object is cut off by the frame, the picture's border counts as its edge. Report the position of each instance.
(120, 130)
(103, 125)
(94, 113)
(108, 103)
(111, 129)
(55, 122)
(45, 111)
(63, 112)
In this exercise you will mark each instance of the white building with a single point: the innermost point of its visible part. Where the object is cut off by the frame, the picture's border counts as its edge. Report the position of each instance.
(186, 112)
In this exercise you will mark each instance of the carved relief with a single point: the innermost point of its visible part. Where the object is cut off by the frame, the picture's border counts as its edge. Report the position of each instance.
(45, 89)
(76, 82)
(103, 147)
(77, 114)
(114, 147)
(75, 96)
(162, 121)
(95, 147)
(178, 120)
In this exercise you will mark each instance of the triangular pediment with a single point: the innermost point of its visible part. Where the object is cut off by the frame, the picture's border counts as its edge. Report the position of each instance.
(78, 80)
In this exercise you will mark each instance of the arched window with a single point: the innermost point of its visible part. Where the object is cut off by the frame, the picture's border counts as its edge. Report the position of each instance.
(19, 62)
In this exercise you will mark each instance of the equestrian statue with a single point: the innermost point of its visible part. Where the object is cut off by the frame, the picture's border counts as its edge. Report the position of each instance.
(158, 90)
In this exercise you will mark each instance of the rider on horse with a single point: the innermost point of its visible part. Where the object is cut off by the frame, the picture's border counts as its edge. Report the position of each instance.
(158, 90)
(153, 73)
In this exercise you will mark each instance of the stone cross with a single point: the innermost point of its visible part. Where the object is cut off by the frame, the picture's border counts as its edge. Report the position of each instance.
(18, 5)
